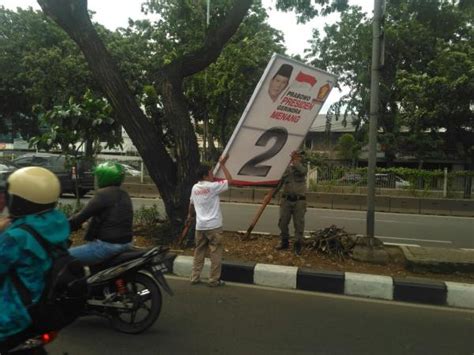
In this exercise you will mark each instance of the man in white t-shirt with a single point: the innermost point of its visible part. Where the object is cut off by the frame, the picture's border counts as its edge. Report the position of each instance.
(205, 205)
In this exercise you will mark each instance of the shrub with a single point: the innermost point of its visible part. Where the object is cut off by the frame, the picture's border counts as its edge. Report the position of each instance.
(69, 208)
(146, 216)
(148, 222)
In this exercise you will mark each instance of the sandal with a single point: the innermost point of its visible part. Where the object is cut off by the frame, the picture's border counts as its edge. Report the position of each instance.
(216, 284)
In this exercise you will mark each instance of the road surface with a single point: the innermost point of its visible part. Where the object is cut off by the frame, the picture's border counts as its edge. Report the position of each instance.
(237, 319)
(398, 228)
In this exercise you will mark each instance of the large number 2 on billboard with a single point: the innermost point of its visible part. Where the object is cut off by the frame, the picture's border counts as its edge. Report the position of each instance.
(251, 167)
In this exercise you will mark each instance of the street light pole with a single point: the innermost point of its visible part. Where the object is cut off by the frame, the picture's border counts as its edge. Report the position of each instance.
(377, 35)
(206, 115)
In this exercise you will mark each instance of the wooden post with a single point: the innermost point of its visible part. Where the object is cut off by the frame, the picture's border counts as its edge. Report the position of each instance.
(266, 201)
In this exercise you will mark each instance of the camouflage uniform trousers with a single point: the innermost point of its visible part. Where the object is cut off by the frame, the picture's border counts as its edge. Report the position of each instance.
(289, 209)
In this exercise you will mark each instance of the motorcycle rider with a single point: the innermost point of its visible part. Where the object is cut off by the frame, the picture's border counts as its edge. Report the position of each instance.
(111, 212)
(31, 197)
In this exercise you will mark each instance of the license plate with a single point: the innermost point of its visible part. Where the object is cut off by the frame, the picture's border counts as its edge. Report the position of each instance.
(159, 268)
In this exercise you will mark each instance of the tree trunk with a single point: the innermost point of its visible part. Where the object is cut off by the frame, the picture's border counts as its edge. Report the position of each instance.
(89, 148)
(173, 177)
(186, 150)
(72, 16)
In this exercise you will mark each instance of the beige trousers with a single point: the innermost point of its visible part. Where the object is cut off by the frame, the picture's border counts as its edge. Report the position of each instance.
(205, 239)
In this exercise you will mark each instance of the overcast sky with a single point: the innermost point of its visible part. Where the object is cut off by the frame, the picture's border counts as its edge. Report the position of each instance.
(115, 13)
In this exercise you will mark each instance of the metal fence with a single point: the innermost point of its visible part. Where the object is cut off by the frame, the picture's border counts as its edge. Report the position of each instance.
(411, 181)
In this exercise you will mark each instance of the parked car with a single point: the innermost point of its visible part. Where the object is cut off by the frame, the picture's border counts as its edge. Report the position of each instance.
(130, 170)
(390, 181)
(6, 168)
(400, 183)
(66, 174)
(381, 180)
(351, 178)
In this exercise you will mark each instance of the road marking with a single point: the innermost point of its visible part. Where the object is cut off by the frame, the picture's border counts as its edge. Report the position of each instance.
(387, 243)
(418, 240)
(343, 218)
(254, 232)
(403, 244)
(362, 219)
(378, 220)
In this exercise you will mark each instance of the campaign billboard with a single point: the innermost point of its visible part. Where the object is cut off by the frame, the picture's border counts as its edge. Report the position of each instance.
(276, 120)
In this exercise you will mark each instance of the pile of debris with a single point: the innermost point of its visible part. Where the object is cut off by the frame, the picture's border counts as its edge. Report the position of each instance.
(332, 241)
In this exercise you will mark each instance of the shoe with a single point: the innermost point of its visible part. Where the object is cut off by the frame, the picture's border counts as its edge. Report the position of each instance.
(216, 283)
(282, 245)
(297, 248)
(195, 282)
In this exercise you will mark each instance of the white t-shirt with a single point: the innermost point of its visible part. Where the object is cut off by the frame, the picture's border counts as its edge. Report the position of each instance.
(205, 198)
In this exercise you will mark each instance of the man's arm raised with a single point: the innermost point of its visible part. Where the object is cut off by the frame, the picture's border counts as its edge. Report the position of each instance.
(228, 176)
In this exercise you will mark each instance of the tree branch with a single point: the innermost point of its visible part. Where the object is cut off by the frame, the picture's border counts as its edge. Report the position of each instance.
(215, 41)
(72, 17)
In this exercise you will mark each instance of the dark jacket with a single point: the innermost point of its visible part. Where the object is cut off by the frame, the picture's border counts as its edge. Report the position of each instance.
(112, 216)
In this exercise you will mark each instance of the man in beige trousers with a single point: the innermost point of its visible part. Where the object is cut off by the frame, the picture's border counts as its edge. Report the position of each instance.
(205, 205)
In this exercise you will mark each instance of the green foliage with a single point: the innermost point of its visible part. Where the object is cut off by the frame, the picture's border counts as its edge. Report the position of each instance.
(463, 173)
(347, 147)
(148, 221)
(218, 94)
(40, 64)
(221, 92)
(427, 78)
(422, 182)
(69, 209)
(172, 49)
(67, 127)
(305, 10)
(147, 217)
(315, 158)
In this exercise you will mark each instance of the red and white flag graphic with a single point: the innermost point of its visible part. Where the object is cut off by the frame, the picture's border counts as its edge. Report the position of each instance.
(306, 78)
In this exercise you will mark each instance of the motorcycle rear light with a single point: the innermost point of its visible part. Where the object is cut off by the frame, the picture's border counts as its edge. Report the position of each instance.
(120, 284)
(47, 338)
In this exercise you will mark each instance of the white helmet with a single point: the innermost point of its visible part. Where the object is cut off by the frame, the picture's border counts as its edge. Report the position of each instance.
(32, 190)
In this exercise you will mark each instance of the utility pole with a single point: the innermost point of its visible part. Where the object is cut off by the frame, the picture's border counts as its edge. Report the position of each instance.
(369, 248)
(206, 115)
(377, 62)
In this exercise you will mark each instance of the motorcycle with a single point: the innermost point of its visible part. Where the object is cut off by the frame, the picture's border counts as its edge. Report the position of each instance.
(33, 345)
(127, 288)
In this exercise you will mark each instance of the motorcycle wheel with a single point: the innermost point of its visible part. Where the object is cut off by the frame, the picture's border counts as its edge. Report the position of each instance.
(148, 299)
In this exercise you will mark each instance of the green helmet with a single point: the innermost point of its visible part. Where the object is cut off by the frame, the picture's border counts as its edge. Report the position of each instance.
(109, 174)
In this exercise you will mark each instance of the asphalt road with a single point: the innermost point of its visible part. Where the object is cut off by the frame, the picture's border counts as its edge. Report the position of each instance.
(253, 320)
(398, 228)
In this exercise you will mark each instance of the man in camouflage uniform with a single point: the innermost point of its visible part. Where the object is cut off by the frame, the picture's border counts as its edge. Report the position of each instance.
(293, 202)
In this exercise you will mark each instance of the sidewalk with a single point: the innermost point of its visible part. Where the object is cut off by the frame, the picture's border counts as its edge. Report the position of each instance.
(445, 260)
(387, 286)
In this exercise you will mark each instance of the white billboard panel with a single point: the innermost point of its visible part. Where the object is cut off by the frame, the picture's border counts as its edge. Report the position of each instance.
(280, 112)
